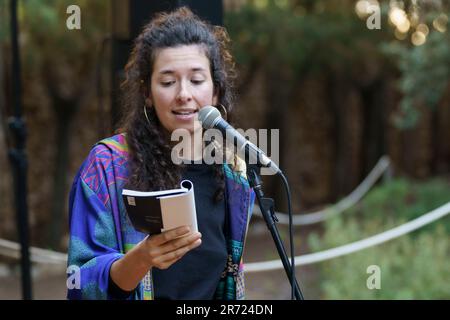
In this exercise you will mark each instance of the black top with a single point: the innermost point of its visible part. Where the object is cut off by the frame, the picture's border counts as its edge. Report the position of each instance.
(196, 275)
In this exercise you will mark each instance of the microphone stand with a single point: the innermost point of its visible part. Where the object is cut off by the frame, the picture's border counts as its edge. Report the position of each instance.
(267, 210)
(18, 159)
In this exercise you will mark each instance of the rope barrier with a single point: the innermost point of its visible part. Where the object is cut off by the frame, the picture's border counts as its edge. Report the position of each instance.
(38, 255)
(355, 246)
(354, 197)
(12, 249)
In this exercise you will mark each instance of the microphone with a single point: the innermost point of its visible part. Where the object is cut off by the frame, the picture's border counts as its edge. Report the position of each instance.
(211, 119)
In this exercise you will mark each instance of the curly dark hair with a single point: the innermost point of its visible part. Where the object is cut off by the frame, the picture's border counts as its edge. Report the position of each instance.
(151, 167)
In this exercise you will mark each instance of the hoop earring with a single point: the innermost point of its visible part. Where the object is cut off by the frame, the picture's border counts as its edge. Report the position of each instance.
(224, 109)
(145, 113)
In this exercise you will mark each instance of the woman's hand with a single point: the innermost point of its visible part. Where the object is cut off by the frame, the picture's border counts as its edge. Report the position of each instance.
(160, 251)
(164, 249)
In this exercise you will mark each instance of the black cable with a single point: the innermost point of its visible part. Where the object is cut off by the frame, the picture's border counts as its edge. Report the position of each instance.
(267, 209)
(291, 237)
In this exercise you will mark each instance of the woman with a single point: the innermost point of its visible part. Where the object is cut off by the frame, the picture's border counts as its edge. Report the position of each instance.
(178, 65)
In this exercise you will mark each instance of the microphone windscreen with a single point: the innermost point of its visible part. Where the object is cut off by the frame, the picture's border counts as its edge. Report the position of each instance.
(208, 115)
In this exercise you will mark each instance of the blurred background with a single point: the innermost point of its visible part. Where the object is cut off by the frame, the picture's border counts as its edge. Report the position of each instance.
(346, 82)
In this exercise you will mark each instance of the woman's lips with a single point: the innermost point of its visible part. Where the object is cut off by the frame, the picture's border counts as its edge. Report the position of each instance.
(185, 115)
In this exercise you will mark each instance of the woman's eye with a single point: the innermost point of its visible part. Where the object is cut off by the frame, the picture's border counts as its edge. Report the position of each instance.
(167, 83)
(197, 81)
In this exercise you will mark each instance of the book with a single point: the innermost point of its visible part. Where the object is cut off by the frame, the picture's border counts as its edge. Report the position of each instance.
(158, 211)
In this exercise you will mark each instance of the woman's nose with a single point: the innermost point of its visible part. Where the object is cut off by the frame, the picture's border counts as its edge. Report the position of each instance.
(184, 94)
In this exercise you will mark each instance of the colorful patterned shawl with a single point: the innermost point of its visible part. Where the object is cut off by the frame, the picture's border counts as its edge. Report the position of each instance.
(101, 232)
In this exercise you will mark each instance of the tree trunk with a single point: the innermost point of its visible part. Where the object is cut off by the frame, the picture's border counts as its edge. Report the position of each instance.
(60, 175)
(7, 220)
(345, 105)
(278, 93)
(441, 134)
(373, 130)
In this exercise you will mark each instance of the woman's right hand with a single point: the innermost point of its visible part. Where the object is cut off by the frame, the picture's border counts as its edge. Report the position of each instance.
(160, 251)
(164, 249)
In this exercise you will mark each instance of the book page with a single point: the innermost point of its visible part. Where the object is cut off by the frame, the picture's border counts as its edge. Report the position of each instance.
(179, 210)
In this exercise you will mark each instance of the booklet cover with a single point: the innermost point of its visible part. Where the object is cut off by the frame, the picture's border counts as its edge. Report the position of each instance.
(158, 211)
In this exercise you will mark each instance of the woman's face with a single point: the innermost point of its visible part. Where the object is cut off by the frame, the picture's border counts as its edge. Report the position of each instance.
(181, 85)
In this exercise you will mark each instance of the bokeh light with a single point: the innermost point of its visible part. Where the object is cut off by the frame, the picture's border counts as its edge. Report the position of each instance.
(404, 26)
(423, 28)
(418, 38)
(440, 23)
(363, 7)
(400, 35)
(397, 16)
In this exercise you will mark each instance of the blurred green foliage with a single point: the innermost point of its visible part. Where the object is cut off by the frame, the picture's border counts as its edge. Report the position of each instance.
(51, 54)
(301, 36)
(60, 70)
(425, 73)
(295, 38)
(47, 42)
(414, 266)
(4, 22)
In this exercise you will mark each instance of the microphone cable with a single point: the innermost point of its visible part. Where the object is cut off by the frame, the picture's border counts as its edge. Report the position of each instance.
(291, 237)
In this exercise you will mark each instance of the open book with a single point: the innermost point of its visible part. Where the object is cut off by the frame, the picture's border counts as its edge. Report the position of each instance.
(158, 211)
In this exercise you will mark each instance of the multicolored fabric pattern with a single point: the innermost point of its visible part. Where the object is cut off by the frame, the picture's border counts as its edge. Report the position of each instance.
(101, 232)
